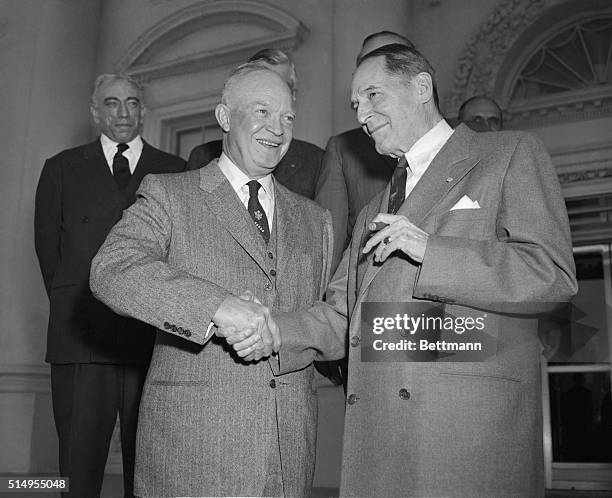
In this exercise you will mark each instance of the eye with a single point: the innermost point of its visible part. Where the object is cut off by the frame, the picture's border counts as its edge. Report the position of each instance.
(133, 104)
(373, 95)
(262, 112)
(290, 118)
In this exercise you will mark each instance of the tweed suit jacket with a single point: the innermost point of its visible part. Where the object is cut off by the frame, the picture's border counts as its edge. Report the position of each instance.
(465, 429)
(77, 203)
(352, 172)
(208, 421)
(298, 170)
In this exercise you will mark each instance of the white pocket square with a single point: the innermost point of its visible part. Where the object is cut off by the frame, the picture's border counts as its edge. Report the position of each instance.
(465, 203)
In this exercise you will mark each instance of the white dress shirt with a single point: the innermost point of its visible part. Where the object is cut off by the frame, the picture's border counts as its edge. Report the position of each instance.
(238, 180)
(421, 154)
(132, 153)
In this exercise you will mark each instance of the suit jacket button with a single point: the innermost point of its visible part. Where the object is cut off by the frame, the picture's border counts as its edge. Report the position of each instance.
(167, 326)
(273, 272)
(268, 286)
(272, 383)
(174, 328)
(270, 255)
(187, 333)
(404, 394)
(179, 330)
(355, 340)
(352, 399)
(85, 219)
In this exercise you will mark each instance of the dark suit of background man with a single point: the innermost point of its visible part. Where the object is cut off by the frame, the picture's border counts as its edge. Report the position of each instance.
(476, 223)
(98, 359)
(299, 169)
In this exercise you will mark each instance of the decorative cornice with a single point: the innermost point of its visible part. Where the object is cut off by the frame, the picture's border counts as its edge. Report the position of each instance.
(283, 31)
(560, 108)
(479, 63)
(585, 175)
(25, 379)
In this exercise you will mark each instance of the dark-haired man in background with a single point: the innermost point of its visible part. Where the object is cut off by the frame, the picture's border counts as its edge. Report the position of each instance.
(481, 113)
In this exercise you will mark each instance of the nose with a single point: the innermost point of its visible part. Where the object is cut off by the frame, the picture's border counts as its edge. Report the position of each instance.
(275, 126)
(363, 112)
(122, 110)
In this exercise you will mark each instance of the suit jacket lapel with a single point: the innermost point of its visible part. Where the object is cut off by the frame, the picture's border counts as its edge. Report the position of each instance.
(231, 213)
(288, 227)
(97, 176)
(448, 167)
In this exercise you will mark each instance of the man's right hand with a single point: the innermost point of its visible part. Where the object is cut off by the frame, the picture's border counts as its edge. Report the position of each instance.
(248, 327)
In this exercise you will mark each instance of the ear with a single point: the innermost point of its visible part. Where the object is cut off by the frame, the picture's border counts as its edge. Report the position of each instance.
(424, 86)
(94, 113)
(143, 110)
(223, 114)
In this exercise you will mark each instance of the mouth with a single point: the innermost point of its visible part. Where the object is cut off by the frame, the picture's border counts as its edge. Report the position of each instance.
(374, 129)
(267, 143)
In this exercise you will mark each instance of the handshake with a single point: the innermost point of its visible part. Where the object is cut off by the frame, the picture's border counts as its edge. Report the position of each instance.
(247, 326)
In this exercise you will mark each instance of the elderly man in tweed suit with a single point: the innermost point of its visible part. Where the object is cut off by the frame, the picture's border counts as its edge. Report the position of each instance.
(213, 420)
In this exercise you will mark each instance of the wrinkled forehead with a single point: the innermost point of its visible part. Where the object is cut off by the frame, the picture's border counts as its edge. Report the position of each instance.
(370, 73)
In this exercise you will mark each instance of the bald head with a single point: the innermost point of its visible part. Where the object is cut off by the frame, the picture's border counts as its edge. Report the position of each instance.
(256, 116)
(481, 113)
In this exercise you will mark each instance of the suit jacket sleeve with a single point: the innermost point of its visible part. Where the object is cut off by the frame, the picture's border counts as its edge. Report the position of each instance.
(131, 273)
(531, 261)
(318, 333)
(331, 193)
(47, 220)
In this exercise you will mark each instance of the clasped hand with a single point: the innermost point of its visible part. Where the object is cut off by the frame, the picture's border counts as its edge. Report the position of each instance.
(399, 234)
(248, 327)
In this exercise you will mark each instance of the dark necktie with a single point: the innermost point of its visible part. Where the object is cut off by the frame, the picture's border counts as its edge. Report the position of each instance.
(256, 211)
(121, 167)
(397, 193)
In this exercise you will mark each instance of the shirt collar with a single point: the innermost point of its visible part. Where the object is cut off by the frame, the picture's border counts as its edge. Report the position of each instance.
(238, 178)
(108, 145)
(425, 148)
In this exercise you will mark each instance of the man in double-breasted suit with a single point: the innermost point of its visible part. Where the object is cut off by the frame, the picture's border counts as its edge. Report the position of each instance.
(211, 423)
(472, 222)
(98, 359)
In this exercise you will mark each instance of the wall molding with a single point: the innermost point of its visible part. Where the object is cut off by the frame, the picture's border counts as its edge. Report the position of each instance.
(283, 31)
(25, 378)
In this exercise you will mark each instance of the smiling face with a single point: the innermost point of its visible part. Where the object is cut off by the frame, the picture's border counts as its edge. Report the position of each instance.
(390, 108)
(257, 118)
(118, 110)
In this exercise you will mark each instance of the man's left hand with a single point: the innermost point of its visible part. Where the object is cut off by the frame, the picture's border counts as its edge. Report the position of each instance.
(399, 235)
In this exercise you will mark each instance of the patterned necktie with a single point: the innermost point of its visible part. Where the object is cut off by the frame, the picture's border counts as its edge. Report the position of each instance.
(397, 193)
(121, 167)
(256, 211)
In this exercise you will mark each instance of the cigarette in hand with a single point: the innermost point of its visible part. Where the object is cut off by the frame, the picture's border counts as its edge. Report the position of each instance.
(377, 226)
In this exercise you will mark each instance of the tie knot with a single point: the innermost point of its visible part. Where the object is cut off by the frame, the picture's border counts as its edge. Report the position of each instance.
(121, 148)
(402, 163)
(253, 187)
